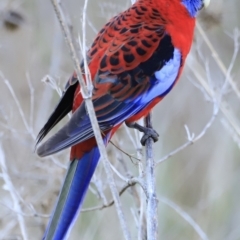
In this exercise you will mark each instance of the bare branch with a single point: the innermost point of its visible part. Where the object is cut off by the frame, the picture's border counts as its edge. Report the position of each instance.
(152, 202)
(142, 226)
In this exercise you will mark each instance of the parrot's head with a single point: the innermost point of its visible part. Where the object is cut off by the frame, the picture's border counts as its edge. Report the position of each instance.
(193, 6)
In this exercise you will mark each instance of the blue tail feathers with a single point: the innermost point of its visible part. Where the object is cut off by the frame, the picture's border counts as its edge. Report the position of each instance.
(72, 194)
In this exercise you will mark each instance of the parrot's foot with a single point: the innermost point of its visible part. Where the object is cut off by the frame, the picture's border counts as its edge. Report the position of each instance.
(148, 132)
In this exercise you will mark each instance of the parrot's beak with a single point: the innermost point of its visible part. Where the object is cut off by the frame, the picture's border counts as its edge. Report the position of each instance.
(206, 3)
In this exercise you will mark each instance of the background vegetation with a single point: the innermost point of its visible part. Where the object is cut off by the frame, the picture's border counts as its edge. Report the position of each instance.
(201, 181)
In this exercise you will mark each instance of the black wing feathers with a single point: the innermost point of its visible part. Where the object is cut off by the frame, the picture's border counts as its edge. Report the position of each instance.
(63, 108)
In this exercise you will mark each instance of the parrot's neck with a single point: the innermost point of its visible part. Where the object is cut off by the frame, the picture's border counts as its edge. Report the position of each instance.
(193, 6)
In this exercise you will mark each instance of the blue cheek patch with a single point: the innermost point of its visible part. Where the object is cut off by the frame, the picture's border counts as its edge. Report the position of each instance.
(193, 6)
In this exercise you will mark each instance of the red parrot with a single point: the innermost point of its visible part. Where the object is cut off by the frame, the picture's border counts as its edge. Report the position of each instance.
(134, 61)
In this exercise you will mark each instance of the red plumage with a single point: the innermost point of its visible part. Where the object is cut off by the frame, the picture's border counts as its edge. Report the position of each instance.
(141, 26)
(135, 60)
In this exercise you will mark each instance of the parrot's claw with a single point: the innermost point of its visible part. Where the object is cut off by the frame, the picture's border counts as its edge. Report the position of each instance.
(148, 132)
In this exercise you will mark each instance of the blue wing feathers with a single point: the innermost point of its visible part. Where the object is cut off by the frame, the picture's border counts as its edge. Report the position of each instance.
(110, 111)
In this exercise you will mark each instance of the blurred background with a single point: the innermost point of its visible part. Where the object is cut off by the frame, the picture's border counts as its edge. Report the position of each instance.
(200, 182)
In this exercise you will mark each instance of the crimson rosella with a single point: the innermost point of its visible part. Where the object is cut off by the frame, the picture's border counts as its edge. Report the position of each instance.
(134, 61)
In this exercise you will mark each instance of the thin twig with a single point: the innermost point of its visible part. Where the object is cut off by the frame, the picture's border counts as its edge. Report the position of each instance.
(138, 194)
(32, 90)
(228, 115)
(19, 107)
(10, 187)
(35, 214)
(25, 122)
(131, 182)
(185, 216)
(218, 60)
(124, 152)
(191, 137)
(195, 65)
(217, 105)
